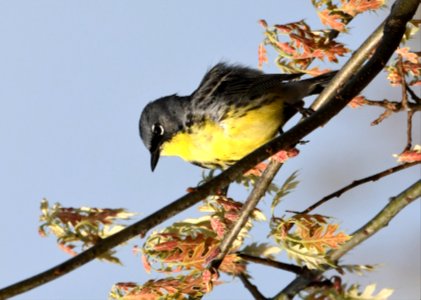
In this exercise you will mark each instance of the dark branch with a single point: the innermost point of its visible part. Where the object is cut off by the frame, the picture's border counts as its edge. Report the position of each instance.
(408, 146)
(414, 96)
(356, 183)
(256, 194)
(251, 287)
(273, 263)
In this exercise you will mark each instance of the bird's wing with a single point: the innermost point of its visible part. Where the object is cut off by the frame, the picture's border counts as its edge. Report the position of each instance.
(225, 86)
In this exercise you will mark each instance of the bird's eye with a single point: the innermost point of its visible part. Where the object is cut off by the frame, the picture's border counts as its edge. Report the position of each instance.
(157, 129)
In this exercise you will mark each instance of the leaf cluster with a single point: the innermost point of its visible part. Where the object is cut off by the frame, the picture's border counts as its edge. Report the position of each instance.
(407, 63)
(307, 238)
(337, 14)
(301, 46)
(81, 227)
(189, 246)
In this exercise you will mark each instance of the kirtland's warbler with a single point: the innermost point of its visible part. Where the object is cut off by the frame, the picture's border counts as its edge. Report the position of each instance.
(234, 111)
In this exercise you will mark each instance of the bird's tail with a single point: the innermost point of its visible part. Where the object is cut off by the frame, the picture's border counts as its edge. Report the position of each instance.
(306, 87)
(318, 83)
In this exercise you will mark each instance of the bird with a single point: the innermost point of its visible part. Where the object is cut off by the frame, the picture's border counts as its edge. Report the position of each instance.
(235, 110)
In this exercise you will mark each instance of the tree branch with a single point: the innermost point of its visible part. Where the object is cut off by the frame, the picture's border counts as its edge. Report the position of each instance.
(358, 182)
(273, 263)
(256, 194)
(414, 96)
(251, 287)
(380, 221)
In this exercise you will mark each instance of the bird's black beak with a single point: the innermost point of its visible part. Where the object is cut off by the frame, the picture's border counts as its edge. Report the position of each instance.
(154, 157)
(155, 150)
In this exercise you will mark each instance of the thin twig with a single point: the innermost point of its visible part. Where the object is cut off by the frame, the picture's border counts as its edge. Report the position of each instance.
(250, 204)
(358, 182)
(378, 222)
(403, 84)
(405, 105)
(251, 287)
(409, 130)
(273, 263)
(394, 106)
(391, 107)
(414, 95)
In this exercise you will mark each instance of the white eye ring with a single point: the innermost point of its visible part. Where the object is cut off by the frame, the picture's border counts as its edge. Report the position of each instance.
(158, 129)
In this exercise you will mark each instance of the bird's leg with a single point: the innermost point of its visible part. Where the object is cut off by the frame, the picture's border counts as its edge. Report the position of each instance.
(299, 106)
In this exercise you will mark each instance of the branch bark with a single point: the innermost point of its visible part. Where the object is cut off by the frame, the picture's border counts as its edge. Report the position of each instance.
(251, 287)
(273, 263)
(358, 182)
(253, 199)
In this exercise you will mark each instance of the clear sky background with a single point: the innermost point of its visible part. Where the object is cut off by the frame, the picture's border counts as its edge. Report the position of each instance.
(74, 77)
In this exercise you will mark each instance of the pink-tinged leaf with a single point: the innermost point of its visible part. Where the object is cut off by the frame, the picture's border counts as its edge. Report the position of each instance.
(262, 55)
(331, 19)
(394, 77)
(207, 279)
(166, 246)
(68, 249)
(286, 47)
(408, 55)
(212, 254)
(263, 23)
(146, 265)
(282, 156)
(354, 7)
(257, 170)
(357, 101)
(231, 216)
(41, 232)
(411, 68)
(410, 156)
(218, 226)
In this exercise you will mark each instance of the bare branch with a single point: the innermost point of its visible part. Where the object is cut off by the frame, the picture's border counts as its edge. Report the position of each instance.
(273, 263)
(256, 194)
(391, 107)
(358, 182)
(414, 96)
(251, 287)
(408, 146)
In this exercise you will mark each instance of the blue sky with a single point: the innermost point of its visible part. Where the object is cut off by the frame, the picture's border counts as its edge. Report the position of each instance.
(74, 77)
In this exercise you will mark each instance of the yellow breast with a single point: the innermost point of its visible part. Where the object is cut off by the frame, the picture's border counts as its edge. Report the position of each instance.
(229, 140)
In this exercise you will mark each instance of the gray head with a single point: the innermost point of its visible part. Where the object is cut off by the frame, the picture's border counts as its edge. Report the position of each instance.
(159, 121)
